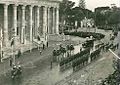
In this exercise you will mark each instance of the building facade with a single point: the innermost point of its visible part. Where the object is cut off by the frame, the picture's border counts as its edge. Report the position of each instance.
(87, 22)
(26, 19)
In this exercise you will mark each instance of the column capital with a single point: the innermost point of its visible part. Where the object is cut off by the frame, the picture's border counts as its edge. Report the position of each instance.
(31, 7)
(23, 7)
(49, 7)
(53, 8)
(44, 8)
(6, 6)
(15, 5)
(39, 5)
(57, 8)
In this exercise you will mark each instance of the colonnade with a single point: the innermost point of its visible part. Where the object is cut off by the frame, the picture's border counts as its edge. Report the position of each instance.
(46, 20)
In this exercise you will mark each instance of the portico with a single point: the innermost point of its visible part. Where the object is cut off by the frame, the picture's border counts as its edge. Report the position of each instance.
(26, 19)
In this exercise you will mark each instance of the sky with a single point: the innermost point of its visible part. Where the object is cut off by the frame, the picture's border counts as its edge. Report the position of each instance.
(91, 4)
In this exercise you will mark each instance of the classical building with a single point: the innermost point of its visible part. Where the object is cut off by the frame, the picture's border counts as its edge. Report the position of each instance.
(87, 22)
(26, 19)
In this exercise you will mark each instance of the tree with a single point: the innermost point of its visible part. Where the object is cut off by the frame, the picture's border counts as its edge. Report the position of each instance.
(101, 16)
(114, 78)
(114, 19)
(82, 4)
(65, 9)
(65, 12)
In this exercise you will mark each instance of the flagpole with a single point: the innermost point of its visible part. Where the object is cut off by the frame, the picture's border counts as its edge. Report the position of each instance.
(1, 46)
(13, 55)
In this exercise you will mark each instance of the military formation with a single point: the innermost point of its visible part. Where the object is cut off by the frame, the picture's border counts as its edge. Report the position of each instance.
(86, 56)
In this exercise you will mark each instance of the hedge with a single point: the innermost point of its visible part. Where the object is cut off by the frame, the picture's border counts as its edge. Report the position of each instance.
(97, 36)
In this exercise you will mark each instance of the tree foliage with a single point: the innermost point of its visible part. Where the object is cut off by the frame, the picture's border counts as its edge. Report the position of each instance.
(65, 8)
(106, 17)
(114, 78)
(70, 13)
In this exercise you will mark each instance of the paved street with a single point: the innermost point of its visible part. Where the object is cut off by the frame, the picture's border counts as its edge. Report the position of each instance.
(33, 64)
(93, 73)
(36, 68)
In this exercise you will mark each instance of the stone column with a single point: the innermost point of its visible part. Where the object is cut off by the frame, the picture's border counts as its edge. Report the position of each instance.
(23, 25)
(44, 20)
(48, 22)
(38, 18)
(57, 21)
(15, 19)
(53, 26)
(31, 23)
(5, 24)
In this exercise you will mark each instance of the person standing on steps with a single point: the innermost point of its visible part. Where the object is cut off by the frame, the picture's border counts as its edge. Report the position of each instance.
(11, 61)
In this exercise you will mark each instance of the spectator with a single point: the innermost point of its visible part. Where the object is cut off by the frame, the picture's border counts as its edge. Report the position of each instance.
(11, 61)
(19, 53)
(38, 38)
(43, 46)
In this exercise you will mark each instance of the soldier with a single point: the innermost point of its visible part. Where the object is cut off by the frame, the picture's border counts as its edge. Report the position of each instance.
(43, 46)
(117, 45)
(80, 49)
(47, 43)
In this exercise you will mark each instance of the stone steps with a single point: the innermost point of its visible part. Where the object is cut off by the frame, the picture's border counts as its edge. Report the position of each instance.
(23, 47)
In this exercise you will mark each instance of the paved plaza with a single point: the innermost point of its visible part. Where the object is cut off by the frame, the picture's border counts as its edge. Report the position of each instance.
(37, 69)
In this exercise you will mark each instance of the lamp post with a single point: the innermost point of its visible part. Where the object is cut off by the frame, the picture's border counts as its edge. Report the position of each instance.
(1, 36)
(13, 50)
(13, 40)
